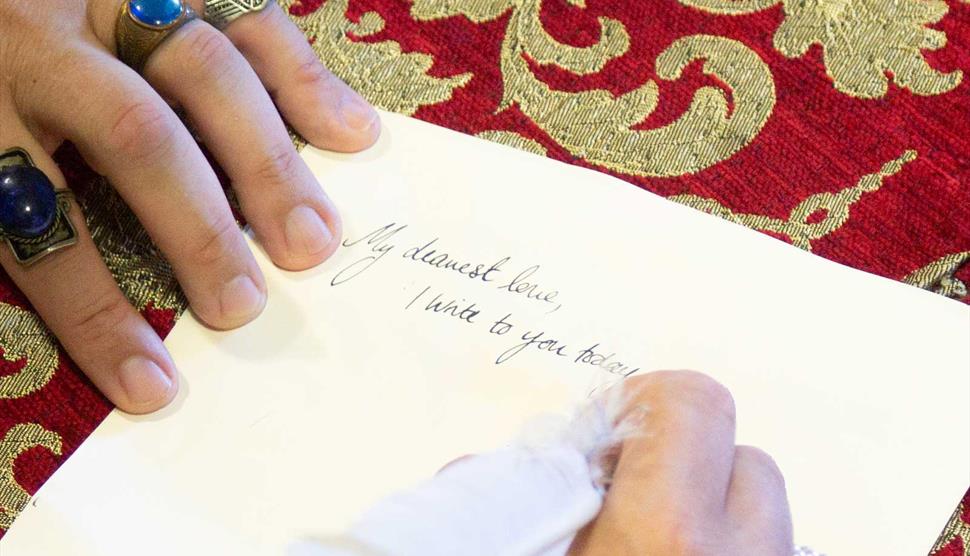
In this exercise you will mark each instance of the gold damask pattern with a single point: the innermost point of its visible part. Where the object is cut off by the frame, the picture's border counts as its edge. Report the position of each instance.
(24, 337)
(832, 208)
(595, 125)
(938, 276)
(388, 77)
(614, 40)
(18, 440)
(730, 7)
(862, 40)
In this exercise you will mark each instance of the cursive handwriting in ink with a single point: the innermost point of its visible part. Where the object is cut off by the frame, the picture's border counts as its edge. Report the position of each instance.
(525, 285)
(533, 339)
(531, 290)
(379, 242)
(590, 357)
(501, 327)
(428, 255)
(454, 308)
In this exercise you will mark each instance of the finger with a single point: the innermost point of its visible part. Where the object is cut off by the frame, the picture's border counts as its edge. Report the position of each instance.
(77, 298)
(320, 106)
(201, 70)
(757, 504)
(130, 135)
(670, 483)
(684, 457)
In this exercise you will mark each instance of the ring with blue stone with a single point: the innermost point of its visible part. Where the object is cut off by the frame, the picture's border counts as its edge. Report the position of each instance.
(143, 25)
(33, 216)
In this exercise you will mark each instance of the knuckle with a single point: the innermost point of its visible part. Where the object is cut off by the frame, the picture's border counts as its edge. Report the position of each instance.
(143, 130)
(101, 319)
(704, 391)
(279, 165)
(760, 460)
(311, 72)
(206, 52)
(216, 243)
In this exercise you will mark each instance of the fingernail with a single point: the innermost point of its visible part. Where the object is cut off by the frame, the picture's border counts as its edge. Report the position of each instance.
(240, 298)
(357, 114)
(143, 381)
(306, 233)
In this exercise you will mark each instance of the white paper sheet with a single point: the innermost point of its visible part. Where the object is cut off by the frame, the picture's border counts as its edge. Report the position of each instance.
(338, 395)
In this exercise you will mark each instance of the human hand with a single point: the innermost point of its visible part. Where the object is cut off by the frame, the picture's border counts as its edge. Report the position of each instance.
(678, 486)
(682, 488)
(60, 79)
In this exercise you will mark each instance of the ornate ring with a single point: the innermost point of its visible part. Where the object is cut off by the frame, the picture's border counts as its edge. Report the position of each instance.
(220, 13)
(33, 216)
(143, 25)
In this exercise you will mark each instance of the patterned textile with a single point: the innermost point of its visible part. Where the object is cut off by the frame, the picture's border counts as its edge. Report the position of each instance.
(839, 126)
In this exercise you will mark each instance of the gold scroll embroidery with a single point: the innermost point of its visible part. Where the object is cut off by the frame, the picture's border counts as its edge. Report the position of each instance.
(938, 276)
(540, 45)
(381, 71)
(797, 227)
(19, 439)
(730, 7)
(24, 337)
(595, 125)
(862, 40)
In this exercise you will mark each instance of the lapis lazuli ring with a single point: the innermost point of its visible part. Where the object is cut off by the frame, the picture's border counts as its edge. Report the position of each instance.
(33, 216)
(220, 13)
(143, 25)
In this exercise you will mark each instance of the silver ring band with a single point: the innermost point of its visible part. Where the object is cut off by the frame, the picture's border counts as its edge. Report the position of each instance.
(220, 13)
